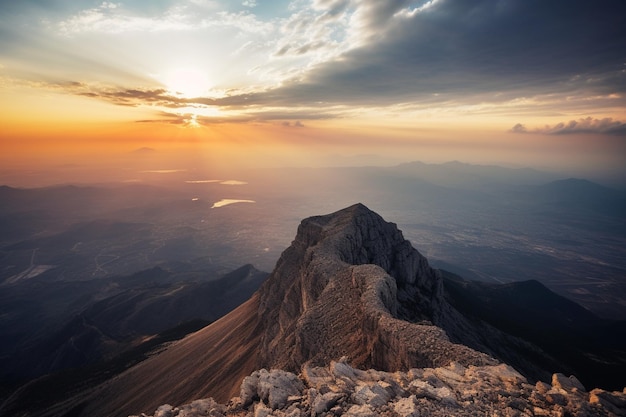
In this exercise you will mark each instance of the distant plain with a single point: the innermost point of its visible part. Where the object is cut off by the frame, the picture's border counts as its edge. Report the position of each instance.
(484, 223)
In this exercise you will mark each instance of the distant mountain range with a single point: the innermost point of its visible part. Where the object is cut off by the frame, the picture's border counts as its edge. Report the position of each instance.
(99, 320)
(351, 286)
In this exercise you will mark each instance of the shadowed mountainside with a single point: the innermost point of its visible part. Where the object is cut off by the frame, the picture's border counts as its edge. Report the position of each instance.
(591, 348)
(141, 307)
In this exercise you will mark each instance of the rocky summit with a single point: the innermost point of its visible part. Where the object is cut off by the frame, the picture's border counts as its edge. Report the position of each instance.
(351, 285)
(454, 390)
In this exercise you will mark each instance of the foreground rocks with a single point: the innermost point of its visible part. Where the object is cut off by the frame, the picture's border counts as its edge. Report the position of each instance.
(454, 390)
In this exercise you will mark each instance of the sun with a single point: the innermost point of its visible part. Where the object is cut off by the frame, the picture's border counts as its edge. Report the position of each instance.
(187, 82)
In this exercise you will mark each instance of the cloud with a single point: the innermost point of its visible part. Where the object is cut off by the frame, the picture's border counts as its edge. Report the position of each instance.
(519, 128)
(127, 96)
(297, 123)
(606, 126)
(401, 52)
(169, 118)
(317, 34)
(189, 111)
(114, 18)
(244, 22)
(194, 119)
(327, 56)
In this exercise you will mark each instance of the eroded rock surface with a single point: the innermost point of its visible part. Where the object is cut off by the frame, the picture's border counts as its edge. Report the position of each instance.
(453, 390)
(351, 285)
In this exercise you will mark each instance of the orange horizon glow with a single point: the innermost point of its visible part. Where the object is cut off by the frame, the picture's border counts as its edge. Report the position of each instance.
(224, 85)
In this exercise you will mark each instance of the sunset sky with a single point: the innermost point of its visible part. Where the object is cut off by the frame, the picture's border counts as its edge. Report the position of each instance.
(537, 83)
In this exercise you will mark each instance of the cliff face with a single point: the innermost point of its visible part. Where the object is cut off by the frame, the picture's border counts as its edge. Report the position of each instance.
(351, 285)
(344, 288)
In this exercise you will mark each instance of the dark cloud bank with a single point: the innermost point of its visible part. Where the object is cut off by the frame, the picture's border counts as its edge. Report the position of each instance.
(460, 48)
(587, 125)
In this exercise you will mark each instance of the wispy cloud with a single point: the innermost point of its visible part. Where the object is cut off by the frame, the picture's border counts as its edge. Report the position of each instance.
(519, 128)
(297, 123)
(114, 18)
(244, 21)
(132, 97)
(111, 17)
(606, 126)
(182, 119)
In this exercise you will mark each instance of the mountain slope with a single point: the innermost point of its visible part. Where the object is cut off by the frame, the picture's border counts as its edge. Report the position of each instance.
(591, 348)
(349, 285)
(141, 305)
(575, 194)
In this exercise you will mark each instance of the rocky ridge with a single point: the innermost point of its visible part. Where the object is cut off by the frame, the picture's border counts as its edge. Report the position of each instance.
(351, 285)
(453, 390)
(348, 286)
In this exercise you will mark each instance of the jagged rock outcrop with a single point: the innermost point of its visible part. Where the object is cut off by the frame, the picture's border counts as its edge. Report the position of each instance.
(344, 287)
(454, 390)
(350, 284)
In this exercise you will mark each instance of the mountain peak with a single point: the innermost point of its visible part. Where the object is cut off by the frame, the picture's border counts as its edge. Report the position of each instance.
(352, 270)
(338, 221)
(355, 208)
(357, 235)
(319, 227)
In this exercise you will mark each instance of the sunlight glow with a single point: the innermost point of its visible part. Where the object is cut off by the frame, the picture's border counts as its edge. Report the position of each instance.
(187, 82)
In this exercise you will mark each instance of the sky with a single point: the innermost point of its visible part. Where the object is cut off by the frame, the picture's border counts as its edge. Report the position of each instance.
(538, 83)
